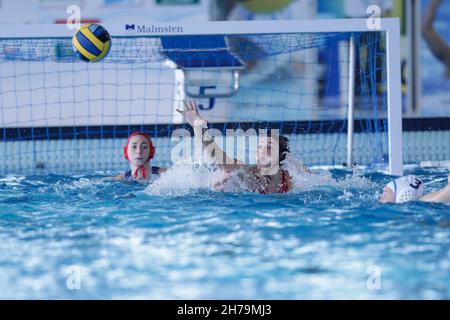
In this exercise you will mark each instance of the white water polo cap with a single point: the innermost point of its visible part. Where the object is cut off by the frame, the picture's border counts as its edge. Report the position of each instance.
(408, 188)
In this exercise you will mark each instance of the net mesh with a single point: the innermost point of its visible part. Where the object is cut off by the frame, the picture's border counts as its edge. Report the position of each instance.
(61, 113)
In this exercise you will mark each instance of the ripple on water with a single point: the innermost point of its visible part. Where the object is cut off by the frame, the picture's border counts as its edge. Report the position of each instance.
(179, 239)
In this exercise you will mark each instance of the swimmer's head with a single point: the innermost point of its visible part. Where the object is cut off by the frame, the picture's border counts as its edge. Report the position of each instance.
(283, 148)
(267, 154)
(139, 149)
(403, 189)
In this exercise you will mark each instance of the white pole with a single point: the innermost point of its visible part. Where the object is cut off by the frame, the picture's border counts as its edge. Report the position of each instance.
(416, 62)
(410, 29)
(351, 101)
(394, 100)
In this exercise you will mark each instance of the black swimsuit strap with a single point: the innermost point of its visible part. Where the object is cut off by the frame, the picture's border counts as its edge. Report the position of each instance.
(155, 170)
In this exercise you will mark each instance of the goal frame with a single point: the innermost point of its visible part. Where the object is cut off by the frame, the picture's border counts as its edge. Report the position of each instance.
(391, 27)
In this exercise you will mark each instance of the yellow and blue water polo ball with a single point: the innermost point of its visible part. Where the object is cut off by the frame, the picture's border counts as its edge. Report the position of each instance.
(91, 42)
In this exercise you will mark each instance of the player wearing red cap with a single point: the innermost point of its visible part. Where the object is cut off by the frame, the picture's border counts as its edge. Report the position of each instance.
(139, 150)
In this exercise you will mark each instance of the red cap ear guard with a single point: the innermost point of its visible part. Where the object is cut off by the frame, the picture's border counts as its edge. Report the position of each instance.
(152, 148)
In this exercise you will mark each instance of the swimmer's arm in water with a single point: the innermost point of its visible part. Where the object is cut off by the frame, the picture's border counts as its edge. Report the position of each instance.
(119, 177)
(193, 117)
(435, 42)
(442, 195)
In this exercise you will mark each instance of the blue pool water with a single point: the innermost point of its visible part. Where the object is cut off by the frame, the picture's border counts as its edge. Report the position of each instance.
(78, 237)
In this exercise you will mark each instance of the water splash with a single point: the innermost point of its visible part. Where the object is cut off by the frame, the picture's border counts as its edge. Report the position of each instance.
(186, 177)
(304, 180)
(183, 178)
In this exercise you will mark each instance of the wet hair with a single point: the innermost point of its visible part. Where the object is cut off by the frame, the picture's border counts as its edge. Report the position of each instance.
(283, 147)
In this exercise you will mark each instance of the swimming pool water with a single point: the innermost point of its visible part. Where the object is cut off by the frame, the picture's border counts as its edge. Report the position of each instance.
(77, 237)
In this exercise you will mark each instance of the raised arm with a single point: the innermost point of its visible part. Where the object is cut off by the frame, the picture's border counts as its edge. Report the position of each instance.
(199, 125)
(436, 44)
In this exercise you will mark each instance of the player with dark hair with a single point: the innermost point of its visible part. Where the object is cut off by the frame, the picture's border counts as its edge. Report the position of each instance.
(267, 176)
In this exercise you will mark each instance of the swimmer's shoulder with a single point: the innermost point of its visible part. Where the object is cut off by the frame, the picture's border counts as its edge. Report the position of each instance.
(119, 177)
(124, 176)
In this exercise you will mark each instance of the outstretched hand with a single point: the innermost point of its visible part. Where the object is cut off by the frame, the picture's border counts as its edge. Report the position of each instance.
(191, 114)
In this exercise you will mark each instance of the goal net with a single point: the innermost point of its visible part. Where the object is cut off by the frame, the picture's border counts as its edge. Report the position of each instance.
(331, 86)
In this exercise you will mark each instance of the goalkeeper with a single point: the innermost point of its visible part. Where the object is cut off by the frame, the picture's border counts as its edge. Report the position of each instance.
(267, 176)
